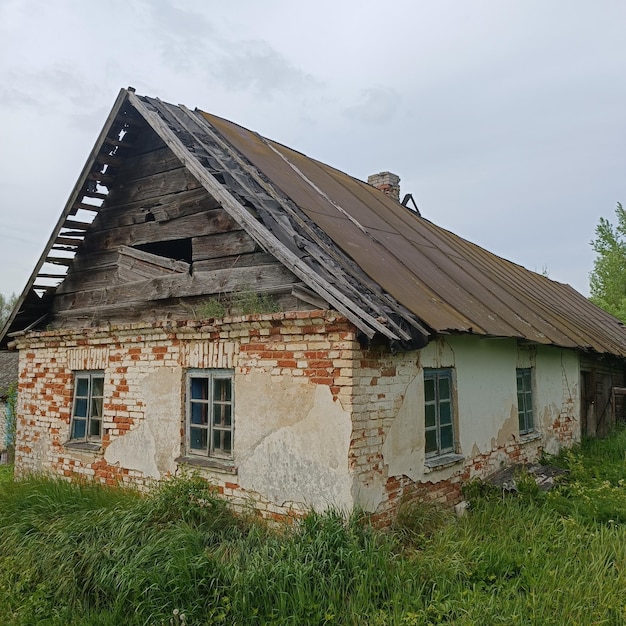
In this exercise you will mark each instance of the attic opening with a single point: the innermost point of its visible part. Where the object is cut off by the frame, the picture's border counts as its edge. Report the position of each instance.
(177, 249)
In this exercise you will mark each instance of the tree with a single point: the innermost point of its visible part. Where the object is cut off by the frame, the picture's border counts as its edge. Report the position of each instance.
(6, 306)
(607, 280)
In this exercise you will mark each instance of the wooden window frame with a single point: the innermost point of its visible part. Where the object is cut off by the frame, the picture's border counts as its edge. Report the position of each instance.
(525, 400)
(94, 406)
(223, 430)
(436, 375)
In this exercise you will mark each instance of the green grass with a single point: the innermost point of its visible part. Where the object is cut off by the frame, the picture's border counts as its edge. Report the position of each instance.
(82, 554)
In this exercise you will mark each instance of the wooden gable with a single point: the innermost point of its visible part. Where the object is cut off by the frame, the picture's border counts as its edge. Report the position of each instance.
(159, 245)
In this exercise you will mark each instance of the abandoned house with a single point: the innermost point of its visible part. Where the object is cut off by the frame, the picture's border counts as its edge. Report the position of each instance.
(212, 300)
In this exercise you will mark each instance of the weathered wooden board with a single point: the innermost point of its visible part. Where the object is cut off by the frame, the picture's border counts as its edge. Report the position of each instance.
(179, 179)
(181, 286)
(241, 260)
(187, 227)
(161, 209)
(175, 308)
(145, 165)
(222, 244)
(93, 278)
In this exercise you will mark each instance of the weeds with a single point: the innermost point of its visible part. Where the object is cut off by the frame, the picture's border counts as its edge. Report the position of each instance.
(244, 302)
(83, 554)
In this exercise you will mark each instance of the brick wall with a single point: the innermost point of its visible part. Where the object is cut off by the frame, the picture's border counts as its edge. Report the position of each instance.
(307, 347)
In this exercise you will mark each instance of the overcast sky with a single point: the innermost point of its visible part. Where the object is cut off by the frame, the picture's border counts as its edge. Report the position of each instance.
(505, 120)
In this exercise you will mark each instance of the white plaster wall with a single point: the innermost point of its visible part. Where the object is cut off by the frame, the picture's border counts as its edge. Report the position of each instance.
(152, 446)
(486, 399)
(291, 442)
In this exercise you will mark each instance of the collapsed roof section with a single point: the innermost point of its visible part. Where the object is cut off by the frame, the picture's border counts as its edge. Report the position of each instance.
(384, 267)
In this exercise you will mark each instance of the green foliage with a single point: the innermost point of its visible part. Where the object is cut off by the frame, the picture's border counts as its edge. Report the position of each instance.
(244, 302)
(607, 280)
(248, 302)
(85, 554)
(212, 308)
(418, 520)
(6, 306)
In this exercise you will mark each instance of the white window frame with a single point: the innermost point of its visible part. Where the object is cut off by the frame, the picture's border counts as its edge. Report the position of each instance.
(224, 428)
(94, 409)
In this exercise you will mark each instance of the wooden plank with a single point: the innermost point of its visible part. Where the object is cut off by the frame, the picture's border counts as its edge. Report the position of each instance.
(180, 286)
(93, 278)
(68, 241)
(86, 206)
(241, 260)
(95, 194)
(128, 256)
(154, 186)
(222, 245)
(76, 225)
(186, 227)
(161, 209)
(148, 164)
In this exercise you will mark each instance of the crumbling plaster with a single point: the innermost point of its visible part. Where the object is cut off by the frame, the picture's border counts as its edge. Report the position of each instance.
(152, 446)
(291, 442)
(486, 401)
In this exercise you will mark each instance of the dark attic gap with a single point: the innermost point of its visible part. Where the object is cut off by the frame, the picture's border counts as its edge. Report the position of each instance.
(177, 249)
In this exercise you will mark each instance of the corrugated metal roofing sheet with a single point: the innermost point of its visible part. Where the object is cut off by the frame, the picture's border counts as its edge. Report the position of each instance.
(449, 283)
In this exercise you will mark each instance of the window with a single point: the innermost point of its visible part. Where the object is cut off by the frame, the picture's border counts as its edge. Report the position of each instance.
(525, 400)
(210, 413)
(87, 406)
(438, 411)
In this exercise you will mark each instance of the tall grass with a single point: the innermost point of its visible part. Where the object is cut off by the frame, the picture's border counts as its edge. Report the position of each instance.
(83, 554)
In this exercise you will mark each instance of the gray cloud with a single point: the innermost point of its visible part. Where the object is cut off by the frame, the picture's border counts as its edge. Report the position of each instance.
(376, 106)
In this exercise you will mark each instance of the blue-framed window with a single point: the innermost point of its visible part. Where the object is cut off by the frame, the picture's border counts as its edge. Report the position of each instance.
(525, 400)
(210, 413)
(87, 406)
(438, 411)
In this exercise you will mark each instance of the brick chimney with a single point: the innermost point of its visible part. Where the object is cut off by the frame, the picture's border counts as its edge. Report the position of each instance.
(387, 182)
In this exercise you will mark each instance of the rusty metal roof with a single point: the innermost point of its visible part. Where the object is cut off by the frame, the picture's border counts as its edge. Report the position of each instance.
(382, 265)
(450, 284)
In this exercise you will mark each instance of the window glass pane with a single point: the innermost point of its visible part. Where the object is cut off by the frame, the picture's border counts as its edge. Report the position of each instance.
(429, 389)
(199, 388)
(222, 389)
(221, 414)
(447, 440)
(431, 441)
(227, 441)
(94, 427)
(199, 413)
(445, 413)
(430, 414)
(198, 438)
(444, 388)
(520, 418)
(78, 429)
(217, 439)
(82, 386)
(97, 386)
(80, 407)
(96, 407)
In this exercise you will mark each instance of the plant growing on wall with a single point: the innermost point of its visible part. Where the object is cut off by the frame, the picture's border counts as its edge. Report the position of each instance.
(244, 302)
